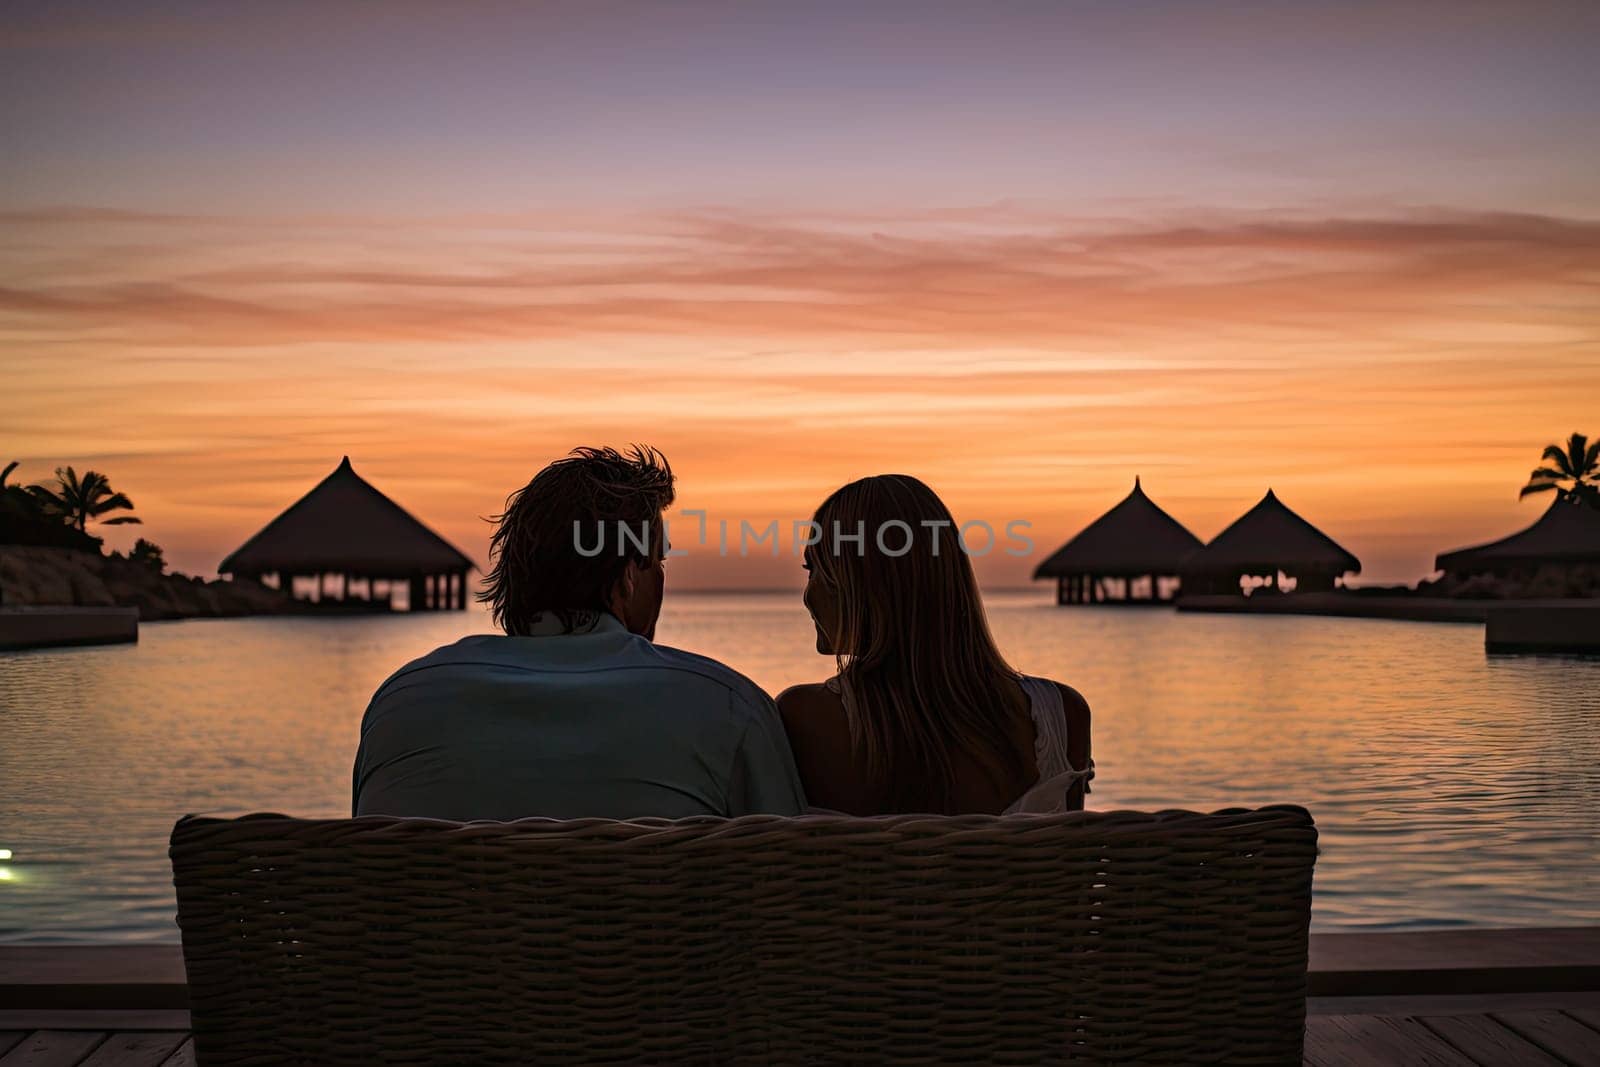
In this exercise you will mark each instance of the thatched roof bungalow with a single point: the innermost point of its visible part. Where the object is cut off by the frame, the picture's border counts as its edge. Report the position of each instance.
(1267, 540)
(1135, 540)
(346, 528)
(1567, 533)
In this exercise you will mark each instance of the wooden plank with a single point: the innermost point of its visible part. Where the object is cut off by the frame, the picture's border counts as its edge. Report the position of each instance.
(1375, 1041)
(1428, 1005)
(53, 1048)
(144, 1048)
(93, 976)
(1533, 946)
(1487, 1041)
(1455, 962)
(53, 1019)
(1328, 1045)
(1587, 1015)
(184, 1057)
(1556, 1032)
(76, 964)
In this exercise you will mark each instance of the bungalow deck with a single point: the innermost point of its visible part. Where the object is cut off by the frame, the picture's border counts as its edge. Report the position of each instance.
(1519, 1036)
(1448, 997)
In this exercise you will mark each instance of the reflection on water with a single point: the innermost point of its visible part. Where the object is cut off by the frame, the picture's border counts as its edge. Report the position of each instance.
(1450, 788)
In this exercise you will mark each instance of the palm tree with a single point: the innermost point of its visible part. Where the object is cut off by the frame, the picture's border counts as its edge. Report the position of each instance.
(78, 502)
(13, 498)
(1577, 463)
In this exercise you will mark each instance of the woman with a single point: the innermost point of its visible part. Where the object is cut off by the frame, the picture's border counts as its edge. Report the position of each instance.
(924, 715)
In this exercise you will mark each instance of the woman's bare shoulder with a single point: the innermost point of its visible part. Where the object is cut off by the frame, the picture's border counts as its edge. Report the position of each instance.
(806, 704)
(1073, 701)
(819, 733)
(1079, 749)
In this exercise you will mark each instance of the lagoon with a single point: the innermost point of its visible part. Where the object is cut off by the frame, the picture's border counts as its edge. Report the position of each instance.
(1452, 788)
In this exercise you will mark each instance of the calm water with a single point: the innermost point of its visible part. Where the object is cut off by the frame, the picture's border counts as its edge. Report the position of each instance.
(1450, 788)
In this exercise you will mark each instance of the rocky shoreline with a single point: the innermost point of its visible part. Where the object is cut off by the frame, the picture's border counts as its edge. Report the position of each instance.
(32, 576)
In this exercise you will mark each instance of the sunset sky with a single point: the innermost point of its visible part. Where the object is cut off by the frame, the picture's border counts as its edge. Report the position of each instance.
(1024, 251)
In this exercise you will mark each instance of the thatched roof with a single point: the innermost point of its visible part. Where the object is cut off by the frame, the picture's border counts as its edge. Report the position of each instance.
(1269, 538)
(1134, 538)
(1567, 532)
(345, 525)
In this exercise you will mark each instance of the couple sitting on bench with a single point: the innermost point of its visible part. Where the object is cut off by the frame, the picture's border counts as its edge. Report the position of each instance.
(575, 712)
(532, 904)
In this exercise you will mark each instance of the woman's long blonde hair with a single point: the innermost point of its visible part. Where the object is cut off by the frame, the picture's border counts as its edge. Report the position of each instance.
(922, 677)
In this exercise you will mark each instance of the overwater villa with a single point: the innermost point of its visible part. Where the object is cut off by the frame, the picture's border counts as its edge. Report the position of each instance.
(1130, 555)
(1554, 551)
(347, 542)
(1264, 542)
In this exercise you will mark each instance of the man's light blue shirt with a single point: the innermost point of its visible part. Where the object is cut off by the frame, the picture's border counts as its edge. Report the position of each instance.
(599, 723)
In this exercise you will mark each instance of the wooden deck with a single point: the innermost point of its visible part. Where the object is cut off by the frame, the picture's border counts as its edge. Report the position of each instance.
(1563, 1031)
(97, 1048)
(1458, 997)
(1554, 1029)
(1548, 1035)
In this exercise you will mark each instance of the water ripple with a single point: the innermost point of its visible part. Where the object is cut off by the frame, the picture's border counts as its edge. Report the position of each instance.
(1451, 788)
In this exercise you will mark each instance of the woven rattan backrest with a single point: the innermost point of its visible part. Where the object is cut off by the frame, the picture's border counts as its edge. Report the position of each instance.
(1092, 936)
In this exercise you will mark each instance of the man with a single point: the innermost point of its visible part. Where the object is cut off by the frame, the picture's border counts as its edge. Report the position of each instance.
(574, 712)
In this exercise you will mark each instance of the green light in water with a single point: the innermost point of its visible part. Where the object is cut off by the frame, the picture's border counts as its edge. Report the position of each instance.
(5, 853)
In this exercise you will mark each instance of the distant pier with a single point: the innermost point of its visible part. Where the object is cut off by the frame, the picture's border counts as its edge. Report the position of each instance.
(55, 627)
(1348, 604)
(1568, 627)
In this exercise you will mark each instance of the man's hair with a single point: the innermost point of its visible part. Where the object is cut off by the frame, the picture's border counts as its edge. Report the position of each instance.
(536, 565)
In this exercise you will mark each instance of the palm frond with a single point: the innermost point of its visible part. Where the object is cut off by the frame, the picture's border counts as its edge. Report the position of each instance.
(1558, 455)
(123, 520)
(1546, 473)
(1577, 445)
(114, 502)
(1539, 487)
(1591, 458)
(95, 483)
(7, 472)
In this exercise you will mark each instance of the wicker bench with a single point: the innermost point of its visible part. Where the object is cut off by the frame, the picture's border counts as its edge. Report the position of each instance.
(1094, 936)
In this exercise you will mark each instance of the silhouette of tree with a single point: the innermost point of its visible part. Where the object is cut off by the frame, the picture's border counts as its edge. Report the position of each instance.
(1578, 463)
(81, 501)
(15, 499)
(27, 519)
(149, 553)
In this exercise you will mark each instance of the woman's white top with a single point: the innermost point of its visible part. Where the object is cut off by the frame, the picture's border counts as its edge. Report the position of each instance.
(1057, 776)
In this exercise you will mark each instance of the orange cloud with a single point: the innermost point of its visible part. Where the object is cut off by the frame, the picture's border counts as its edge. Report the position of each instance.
(1393, 378)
